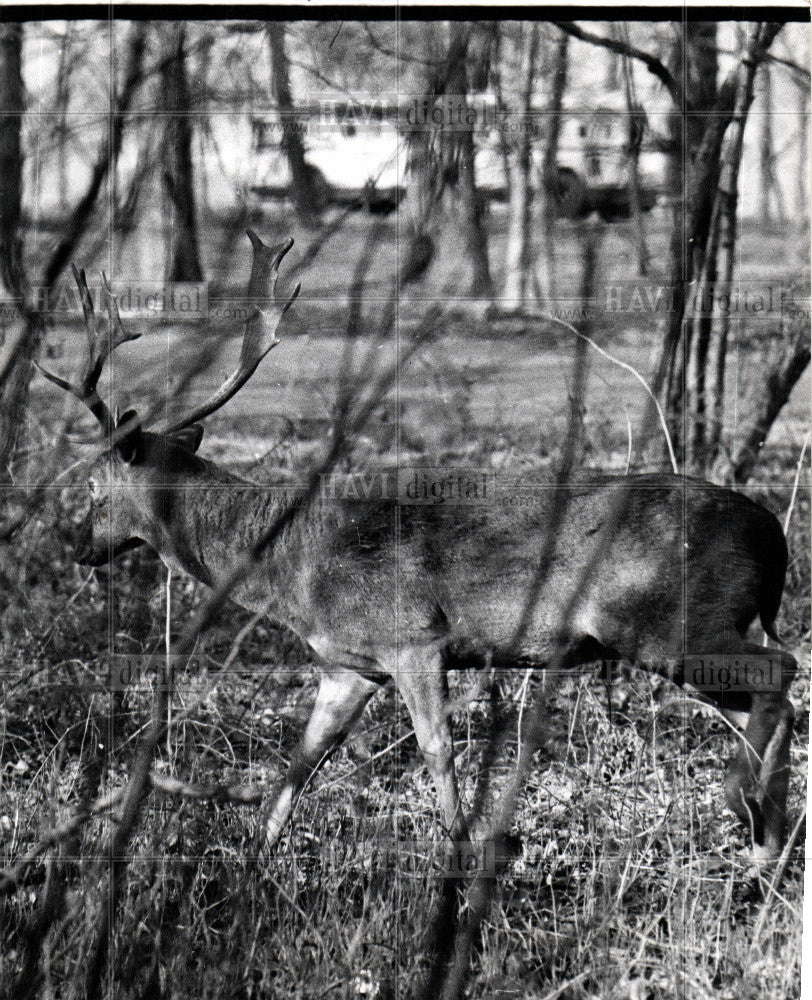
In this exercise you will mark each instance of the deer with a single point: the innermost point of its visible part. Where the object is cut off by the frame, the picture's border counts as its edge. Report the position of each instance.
(387, 591)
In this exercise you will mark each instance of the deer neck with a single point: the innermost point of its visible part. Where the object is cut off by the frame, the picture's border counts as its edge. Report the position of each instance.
(213, 521)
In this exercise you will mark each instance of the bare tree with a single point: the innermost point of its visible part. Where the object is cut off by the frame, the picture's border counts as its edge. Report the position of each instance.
(635, 132)
(106, 157)
(693, 359)
(183, 253)
(693, 168)
(476, 240)
(15, 368)
(706, 144)
(549, 167)
(11, 154)
(708, 378)
(770, 191)
(14, 377)
(520, 281)
(307, 197)
(440, 157)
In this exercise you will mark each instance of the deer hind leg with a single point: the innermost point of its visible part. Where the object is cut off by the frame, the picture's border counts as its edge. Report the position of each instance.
(340, 700)
(420, 679)
(758, 776)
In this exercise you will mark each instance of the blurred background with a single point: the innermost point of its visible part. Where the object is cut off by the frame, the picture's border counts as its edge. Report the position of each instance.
(474, 155)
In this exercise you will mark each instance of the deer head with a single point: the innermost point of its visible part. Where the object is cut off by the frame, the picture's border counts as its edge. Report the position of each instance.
(134, 482)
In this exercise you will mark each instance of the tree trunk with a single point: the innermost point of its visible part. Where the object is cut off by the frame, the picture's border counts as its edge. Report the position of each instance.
(16, 360)
(11, 155)
(307, 198)
(61, 101)
(727, 202)
(770, 194)
(204, 130)
(183, 253)
(636, 130)
(781, 377)
(549, 170)
(502, 108)
(440, 157)
(694, 173)
(611, 62)
(802, 169)
(470, 202)
(519, 283)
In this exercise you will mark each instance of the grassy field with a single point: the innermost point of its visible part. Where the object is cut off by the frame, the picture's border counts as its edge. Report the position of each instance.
(630, 881)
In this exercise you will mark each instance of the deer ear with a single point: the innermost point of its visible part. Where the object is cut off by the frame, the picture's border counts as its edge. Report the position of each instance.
(189, 437)
(129, 447)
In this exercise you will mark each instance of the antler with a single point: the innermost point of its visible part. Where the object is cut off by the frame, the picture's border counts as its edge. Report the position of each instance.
(100, 344)
(260, 328)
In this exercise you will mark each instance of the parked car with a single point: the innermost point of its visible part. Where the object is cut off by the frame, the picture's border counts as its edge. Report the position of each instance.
(360, 159)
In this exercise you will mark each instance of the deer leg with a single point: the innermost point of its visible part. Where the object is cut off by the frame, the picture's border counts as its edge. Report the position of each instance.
(758, 776)
(421, 681)
(340, 700)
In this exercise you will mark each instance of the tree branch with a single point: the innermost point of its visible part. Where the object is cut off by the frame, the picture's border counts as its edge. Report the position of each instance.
(408, 57)
(800, 71)
(622, 48)
(780, 379)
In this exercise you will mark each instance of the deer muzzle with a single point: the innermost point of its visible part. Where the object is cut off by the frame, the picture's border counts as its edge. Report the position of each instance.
(91, 551)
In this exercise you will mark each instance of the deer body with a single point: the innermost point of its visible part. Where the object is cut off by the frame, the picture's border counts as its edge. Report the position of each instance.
(383, 587)
(459, 572)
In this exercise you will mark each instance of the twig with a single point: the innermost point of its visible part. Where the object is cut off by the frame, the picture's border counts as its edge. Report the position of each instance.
(239, 794)
(453, 944)
(168, 660)
(134, 795)
(381, 753)
(796, 481)
(633, 371)
(575, 981)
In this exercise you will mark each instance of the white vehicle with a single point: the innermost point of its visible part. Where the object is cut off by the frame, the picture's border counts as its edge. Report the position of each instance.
(594, 165)
(360, 156)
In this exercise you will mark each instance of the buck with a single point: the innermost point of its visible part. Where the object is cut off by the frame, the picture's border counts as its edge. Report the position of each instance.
(382, 587)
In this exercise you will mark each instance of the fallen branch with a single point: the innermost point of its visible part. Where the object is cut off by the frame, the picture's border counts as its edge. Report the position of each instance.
(11, 878)
(213, 791)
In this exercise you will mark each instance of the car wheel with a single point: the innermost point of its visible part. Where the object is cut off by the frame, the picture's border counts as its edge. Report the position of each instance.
(570, 194)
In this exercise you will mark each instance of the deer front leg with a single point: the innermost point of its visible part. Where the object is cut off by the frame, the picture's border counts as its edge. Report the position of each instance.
(421, 681)
(758, 778)
(340, 700)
